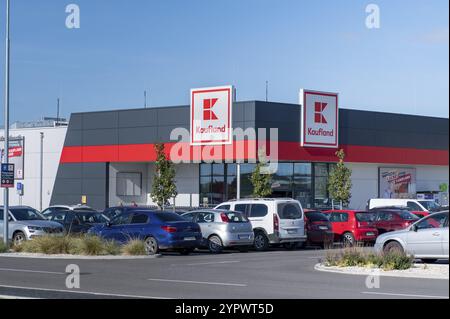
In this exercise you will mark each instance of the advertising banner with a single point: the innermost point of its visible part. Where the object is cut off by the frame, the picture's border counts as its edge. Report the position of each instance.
(320, 119)
(16, 155)
(397, 182)
(211, 116)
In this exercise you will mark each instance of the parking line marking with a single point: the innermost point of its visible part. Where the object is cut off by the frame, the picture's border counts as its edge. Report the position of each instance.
(33, 271)
(83, 292)
(403, 295)
(198, 282)
(209, 263)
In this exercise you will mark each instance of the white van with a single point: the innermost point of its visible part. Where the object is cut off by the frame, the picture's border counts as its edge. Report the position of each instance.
(274, 220)
(417, 205)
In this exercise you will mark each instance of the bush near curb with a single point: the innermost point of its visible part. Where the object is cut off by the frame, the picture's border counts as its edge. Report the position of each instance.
(357, 257)
(134, 248)
(3, 248)
(69, 245)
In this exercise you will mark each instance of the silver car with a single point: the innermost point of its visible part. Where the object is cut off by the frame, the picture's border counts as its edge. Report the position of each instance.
(25, 223)
(222, 229)
(426, 239)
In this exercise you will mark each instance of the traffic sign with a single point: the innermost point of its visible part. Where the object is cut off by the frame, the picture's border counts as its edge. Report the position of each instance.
(7, 176)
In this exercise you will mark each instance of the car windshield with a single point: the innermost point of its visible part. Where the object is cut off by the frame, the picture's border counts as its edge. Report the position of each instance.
(26, 214)
(316, 217)
(235, 217)
(169, 217)
(364, 217)
(429, 205)
(91, 217)
(406, 215)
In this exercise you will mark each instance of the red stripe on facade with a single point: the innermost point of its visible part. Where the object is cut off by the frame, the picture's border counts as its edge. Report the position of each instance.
(244, 150)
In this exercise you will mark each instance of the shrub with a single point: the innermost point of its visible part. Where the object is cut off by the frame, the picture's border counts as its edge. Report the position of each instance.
(111, 248)
(92, 246)
(3, 248)
(355, 256)
(50, 245)
(134, 247)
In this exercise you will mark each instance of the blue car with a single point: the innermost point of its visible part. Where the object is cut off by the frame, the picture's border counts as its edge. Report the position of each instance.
(159, 230)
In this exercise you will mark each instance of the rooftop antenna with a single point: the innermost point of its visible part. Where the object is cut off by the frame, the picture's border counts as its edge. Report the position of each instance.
(145, 99)
(57, 111)
(267, 91)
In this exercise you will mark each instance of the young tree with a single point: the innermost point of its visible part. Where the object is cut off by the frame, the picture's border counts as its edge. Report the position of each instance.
(262, 182)
(340, 183)
(164, 186)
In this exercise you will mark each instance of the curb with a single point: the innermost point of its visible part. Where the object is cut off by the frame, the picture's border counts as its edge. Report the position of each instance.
(371, 272)
(76, 257)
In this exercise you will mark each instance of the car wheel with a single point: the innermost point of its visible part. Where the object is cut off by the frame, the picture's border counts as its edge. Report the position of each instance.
(18, 238)
(261, 241)
(151, 246)
(215, 244)
(429, 260)
(393, 247)
(348, 239)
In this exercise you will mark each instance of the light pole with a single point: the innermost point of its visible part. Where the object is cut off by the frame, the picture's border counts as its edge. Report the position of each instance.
(6, 157)
(41, 174)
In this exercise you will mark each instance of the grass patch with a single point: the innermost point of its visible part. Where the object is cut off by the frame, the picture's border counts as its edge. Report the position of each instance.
(134, 247)
(3, 248)
(357, 257)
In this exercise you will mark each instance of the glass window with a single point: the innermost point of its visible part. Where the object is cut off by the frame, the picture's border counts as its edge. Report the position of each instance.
(26, 214)
(316, 217)
(122, 219)
(364, 217)
(235, 217)
(169, 217)
(139, 219)
(258, 210)
(338, 217)
(289, 211)
(189, 216)
(303, 184)
(231, 170)
(59, 217)
(433, 221)
(129, 184)
(205, 217)
(430, 205)
(414, 206)
(404, 214)
(225, 207)
(218, 169)
(205, 170)
(241, 208)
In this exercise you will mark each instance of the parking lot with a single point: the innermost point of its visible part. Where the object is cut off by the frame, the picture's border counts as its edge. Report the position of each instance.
(277, 273)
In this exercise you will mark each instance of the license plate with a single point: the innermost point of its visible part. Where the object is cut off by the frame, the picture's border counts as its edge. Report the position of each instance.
(323, 227)
(370, 234)
(189, 238)
(243, 236)
(292, 231)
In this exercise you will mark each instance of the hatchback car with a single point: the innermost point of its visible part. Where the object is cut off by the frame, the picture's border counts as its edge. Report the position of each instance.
(57, 208)
(26, 223)
(426, 239)
(159, 230)
(319, 230)
(352, 226)
(223, 229)
(391, 219)
(77, 221)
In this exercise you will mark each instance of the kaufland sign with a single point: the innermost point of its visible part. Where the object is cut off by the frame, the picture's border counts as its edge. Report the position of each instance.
(320, 119)
(211, 115)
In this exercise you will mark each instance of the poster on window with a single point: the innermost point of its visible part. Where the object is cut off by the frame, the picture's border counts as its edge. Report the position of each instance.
(397, 182)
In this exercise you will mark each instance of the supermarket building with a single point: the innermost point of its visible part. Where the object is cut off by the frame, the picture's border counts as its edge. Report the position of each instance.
(108, 158)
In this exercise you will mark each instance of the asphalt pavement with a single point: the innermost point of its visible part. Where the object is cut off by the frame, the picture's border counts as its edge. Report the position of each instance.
(275, 274)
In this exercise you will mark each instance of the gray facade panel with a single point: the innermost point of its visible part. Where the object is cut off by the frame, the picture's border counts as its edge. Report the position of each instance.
(174, 116)
(70, 171)
(76, 121)
(165, 131)
(138, 118)
(100, 120)
(74, 138)
(67, 186)
(101, 137)
(138, 135)
(94, 170)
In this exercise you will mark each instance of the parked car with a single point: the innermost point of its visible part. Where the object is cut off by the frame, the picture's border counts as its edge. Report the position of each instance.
(26, 223)
(419, 214)
(319, 230)
(159, 230)
(113, 212)
(77, 221)
(274, 220)
(391, 219)
(222, 229)
(426, 239)
(412, 204)
(57, 208)
(352, 226)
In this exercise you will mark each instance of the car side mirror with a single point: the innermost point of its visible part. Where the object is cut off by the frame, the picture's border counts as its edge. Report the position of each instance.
(10, 219)
(108, 224)
(414, 228)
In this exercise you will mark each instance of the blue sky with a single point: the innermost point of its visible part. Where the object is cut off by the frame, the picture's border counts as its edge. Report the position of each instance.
(170, 46)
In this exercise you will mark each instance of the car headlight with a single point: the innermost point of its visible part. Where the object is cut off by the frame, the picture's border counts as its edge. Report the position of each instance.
(34, 228)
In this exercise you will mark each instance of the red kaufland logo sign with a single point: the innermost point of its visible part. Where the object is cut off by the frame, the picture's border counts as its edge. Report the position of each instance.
(320, 119)
(211, 115)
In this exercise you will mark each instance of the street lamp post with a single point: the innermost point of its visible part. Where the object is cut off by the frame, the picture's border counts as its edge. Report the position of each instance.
(6, 147)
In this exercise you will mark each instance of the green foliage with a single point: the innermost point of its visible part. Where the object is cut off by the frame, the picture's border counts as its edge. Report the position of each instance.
(260, 178)
(3, 248)
(134, 247)
(357, 257)
(164, 186)
(340, 183)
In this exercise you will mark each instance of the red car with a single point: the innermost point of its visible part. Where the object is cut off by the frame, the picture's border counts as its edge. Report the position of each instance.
(318, 229)
(391, 219)
(352, 226)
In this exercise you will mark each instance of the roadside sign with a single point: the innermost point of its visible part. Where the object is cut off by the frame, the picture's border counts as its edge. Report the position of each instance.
(7, 176)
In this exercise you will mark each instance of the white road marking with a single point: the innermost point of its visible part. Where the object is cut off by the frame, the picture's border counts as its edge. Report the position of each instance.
(33, 271)
(83, 292)
(198, 282)
(403, 295)
(209, 263)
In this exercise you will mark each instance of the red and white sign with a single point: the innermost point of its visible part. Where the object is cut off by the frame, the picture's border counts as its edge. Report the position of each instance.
(15, 151)
(320, 119)
(211, 115)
